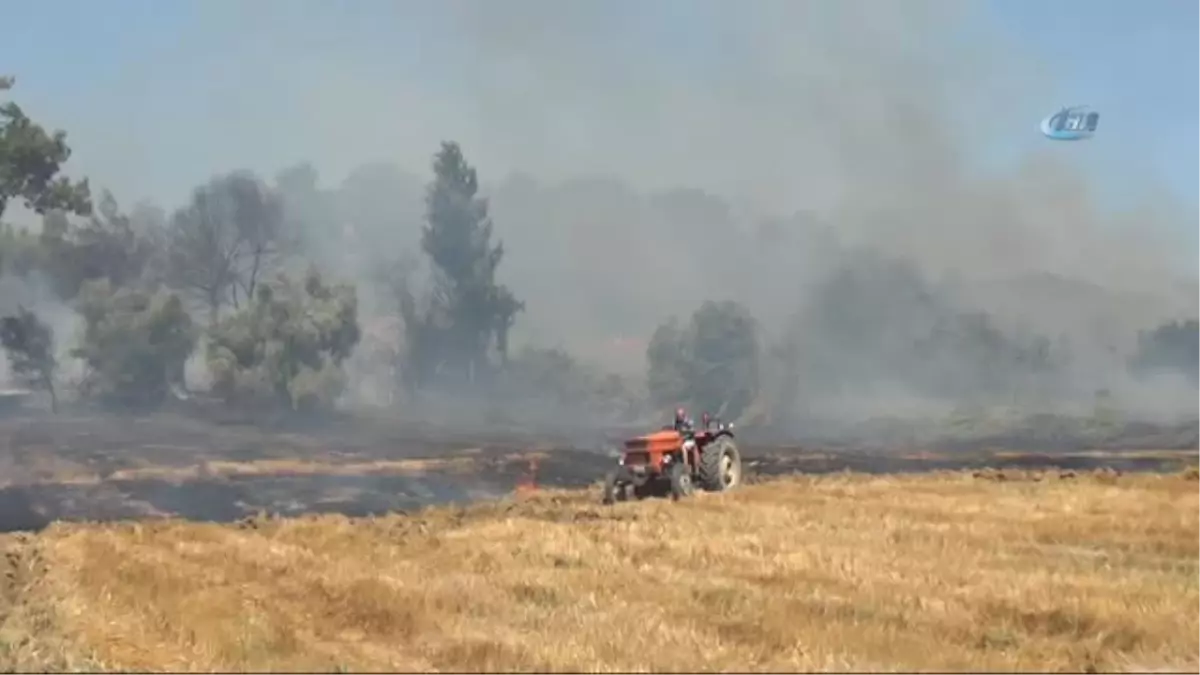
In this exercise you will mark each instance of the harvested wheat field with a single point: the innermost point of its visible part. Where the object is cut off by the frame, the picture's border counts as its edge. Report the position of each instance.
(943, 571)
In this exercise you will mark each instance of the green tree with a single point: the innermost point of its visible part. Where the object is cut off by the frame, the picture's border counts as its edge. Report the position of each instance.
(288, 345)
(105, 246)
(467, 314)
(30, 162)
(29, 344)
(711, 365)
(134, 343)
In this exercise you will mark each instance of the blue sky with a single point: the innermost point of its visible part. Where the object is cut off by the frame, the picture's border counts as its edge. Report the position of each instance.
(1134, 61)
(136, 81)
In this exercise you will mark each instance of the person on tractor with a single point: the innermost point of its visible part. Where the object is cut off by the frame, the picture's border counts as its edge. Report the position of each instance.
(682, 423)
(676, 456)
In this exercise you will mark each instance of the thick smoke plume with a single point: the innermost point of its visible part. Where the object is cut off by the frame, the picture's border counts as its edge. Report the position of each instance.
(799, 143)
(844, 169)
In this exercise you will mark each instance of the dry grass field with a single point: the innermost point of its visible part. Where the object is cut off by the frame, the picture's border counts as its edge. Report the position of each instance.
(944, 571)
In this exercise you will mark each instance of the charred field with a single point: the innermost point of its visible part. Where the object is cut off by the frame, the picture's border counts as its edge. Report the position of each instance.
(189, 465)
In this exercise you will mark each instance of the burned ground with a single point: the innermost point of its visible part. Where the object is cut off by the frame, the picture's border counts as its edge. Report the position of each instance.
(99, 468)
(105, 468)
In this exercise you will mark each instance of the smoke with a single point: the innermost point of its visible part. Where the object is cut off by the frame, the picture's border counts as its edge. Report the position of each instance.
(33, 292)
(644, 157)
(872, 119)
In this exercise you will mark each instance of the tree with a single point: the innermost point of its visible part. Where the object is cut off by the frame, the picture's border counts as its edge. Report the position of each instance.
(468, 313)
(106, 246)
(20, 251)
(30, 161)
(540, 384)
(712, 364)
(418, 358)
(668, 365)
(724, 358)
(134, 343)
(29, 344)
(288, 345)
(225, 240)
(150, 227)
(1172, 346)
(549, 375)
(876, 320)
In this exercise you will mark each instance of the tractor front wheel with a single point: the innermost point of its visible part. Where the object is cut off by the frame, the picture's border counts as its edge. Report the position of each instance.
(681, 482)
(651, 488)
(614, 490)
(720, 465)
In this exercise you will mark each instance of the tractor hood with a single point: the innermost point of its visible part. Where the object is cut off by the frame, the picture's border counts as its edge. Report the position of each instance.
(657, 439)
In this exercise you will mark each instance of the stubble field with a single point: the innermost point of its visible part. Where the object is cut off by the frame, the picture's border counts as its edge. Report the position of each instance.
(1027, 567)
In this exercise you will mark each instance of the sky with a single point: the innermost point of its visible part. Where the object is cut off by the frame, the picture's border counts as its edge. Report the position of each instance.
(157, 96)
(1135, 62)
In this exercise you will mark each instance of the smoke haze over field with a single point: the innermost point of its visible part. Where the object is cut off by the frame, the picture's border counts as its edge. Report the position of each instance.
(643, 157)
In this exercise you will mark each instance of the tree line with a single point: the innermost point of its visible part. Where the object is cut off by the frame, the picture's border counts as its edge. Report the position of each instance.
(233, 272)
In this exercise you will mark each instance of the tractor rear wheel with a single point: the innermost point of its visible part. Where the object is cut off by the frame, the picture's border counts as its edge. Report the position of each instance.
(720, 465)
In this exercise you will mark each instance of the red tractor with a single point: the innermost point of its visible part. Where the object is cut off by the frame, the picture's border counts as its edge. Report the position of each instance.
(673, 461)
